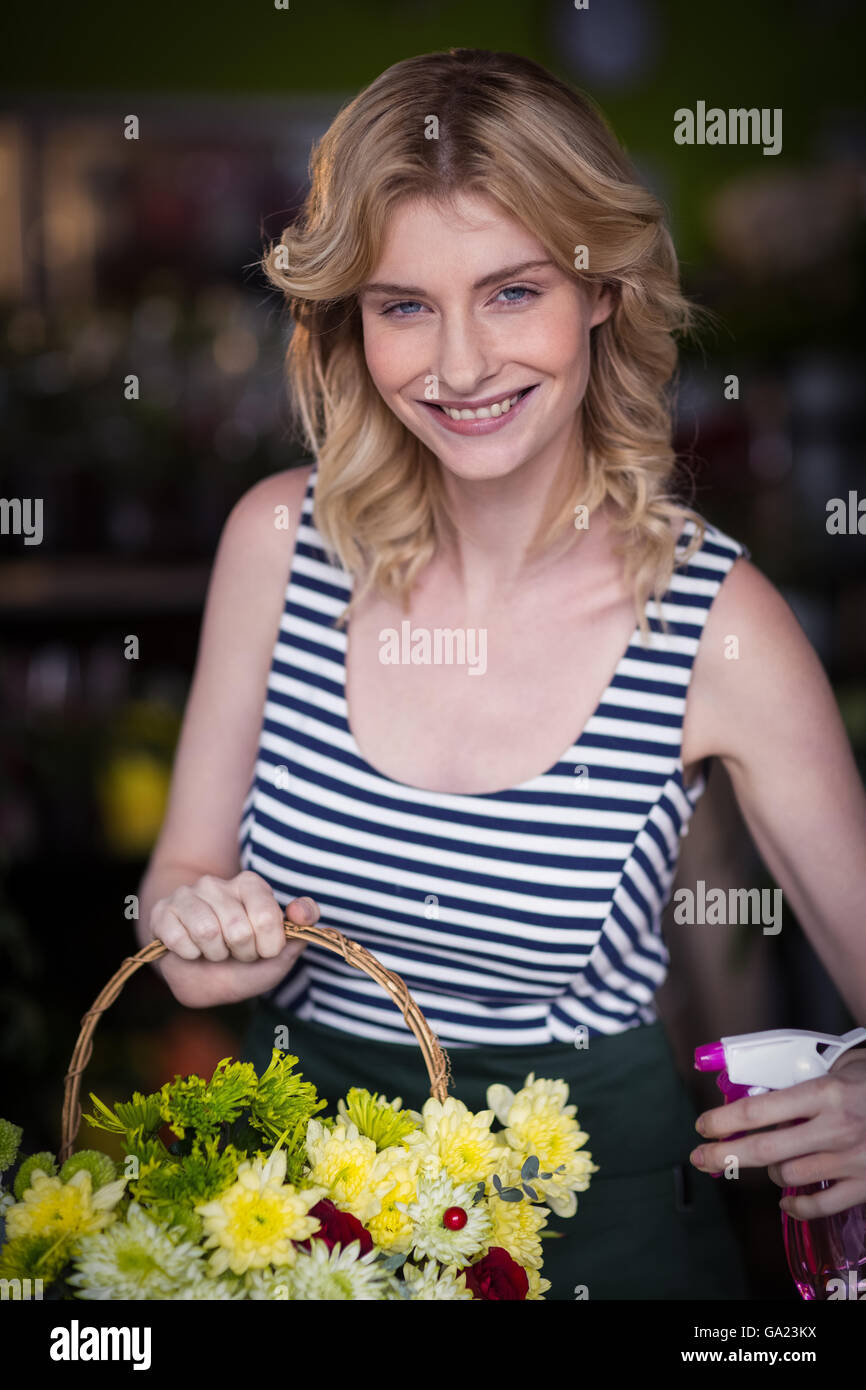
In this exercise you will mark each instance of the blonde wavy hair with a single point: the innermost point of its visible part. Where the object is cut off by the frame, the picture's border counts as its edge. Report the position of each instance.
(512, 132)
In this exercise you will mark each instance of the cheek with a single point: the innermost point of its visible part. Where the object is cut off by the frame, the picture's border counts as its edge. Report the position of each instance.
(389, 360)
(556, 343)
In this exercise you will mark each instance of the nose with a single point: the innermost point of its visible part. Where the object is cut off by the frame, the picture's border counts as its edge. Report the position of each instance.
(465, 355)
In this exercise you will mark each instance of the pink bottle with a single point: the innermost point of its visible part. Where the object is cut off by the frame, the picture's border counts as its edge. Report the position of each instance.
(827, 1255)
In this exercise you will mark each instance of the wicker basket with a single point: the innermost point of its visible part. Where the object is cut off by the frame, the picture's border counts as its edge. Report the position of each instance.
(435, 1058)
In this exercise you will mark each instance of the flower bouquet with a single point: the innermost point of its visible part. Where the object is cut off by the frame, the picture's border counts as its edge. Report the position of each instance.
(236, 1186)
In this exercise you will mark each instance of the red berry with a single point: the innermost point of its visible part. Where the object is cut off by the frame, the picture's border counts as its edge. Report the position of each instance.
(455, 1219)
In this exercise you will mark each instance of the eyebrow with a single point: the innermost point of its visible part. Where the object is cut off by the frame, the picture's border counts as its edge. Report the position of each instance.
(506, 273)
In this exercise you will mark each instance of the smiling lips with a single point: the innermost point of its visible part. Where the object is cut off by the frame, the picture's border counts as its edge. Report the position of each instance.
(481, 418)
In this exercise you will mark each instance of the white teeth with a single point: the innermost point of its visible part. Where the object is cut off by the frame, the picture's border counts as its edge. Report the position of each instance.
(484, 412)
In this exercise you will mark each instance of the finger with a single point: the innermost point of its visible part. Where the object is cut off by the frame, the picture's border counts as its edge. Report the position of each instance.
(770, 1146)
(850, 1192)
(263, 912)
(166, 926)
(201, 923)
(776, 1107)
(821, 1167)
(235, 926)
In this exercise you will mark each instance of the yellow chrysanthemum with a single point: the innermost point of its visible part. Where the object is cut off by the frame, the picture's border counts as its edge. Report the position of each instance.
(347, 1164)
(515, 1226)
(254, 1222)
(67, 1210)
(539, 1122)
(453, 1138)
(537, 1285)
(391, 1227)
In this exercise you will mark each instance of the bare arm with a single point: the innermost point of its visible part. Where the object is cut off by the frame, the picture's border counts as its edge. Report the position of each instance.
(196, 854)
(771, 716)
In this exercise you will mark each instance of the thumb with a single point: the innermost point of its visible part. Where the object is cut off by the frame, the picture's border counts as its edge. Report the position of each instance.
(303, 912)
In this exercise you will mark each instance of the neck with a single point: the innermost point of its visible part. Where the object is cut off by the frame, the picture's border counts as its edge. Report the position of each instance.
(497, 518)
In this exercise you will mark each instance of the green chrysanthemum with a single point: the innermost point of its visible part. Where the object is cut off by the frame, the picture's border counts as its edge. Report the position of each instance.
(34, 1257)
(10, 1142)
(170, 1186)
(284, 1102)
(139, 1116)
(135, 1259)
(36, 1163)
(101, 1168)
(379, 1119)
(190, 1102)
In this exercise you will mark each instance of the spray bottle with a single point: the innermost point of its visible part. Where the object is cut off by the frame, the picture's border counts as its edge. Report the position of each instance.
(826, 1248)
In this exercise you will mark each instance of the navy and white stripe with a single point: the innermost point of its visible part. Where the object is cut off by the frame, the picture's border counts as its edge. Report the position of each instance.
(513, 916)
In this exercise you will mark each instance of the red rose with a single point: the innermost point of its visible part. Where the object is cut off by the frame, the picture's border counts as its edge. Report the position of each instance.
(497, 1276)
(337, 1228)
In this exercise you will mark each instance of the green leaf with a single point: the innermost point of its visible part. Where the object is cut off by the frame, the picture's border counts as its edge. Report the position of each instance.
(392, 1262)
(530, 1168)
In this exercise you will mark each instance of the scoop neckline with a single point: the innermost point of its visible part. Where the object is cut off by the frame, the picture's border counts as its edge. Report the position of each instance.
(526, 786)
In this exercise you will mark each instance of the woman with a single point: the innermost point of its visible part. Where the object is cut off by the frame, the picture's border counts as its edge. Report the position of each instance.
(485, 301)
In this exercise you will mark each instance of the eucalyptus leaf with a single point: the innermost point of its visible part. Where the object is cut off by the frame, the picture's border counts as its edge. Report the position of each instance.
(530, 1168)
(393, 1262)
(511, 1194)
(530, 1192)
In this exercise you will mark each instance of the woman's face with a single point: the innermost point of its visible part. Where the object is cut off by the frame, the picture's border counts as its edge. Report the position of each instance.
(469, 313)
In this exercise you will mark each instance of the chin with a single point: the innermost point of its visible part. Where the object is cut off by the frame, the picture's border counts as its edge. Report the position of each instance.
(478, 469)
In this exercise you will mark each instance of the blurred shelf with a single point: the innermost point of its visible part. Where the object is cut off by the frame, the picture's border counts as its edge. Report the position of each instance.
(83, 588)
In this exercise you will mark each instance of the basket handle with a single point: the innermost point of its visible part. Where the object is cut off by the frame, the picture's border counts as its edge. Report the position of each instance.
(435, 1058)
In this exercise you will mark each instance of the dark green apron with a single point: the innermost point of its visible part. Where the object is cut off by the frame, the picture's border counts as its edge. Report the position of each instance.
(648, 1227)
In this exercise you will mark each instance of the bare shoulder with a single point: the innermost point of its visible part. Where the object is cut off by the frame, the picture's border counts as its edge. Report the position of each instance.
(753, 660)
(265, 518)
(251, 570)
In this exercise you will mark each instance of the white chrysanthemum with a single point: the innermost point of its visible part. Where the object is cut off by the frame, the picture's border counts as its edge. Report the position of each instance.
(135, 1259)
(339, 1274)
(271, 1285)
(208, 1289)
(431, 1237)
(429, 1282)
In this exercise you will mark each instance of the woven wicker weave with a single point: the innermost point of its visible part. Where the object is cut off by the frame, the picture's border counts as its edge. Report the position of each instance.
(435, 1058)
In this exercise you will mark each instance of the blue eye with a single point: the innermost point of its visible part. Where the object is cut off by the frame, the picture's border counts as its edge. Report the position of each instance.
(404, 304)
(522, 290)
(410, 308)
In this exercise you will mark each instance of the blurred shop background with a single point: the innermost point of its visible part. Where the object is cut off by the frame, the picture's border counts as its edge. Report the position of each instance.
(125, 257)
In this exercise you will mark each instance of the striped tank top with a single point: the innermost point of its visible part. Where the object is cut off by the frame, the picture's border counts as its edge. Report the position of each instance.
(515, 917)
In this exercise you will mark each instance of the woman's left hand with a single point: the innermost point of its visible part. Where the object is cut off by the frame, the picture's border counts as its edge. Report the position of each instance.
(829, 1144)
